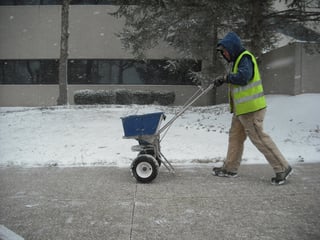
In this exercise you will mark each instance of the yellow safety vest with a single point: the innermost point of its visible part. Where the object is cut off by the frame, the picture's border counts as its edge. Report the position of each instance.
(248, 98)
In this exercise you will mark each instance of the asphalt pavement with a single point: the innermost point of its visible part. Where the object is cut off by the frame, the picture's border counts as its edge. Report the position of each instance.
(107, 203)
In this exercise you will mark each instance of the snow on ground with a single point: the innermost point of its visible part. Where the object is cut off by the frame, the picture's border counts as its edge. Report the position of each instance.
(92, 135)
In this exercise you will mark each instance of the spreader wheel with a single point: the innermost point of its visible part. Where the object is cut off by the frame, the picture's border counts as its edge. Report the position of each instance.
(145, 168)
(151, 152)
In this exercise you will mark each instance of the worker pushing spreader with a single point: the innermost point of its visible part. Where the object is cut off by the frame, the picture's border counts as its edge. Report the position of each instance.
(146, 129)
(248, 105)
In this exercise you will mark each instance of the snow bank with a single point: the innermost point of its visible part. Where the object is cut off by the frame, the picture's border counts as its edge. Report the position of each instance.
(92, 135)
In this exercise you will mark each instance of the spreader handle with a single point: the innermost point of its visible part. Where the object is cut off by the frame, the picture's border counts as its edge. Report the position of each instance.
(190, 101)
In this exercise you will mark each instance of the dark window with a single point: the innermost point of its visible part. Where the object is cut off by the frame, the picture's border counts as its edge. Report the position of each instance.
(30, 2)
(102, 71)
(29, 71)
(104, 2)
(125, 71)
(75, 2)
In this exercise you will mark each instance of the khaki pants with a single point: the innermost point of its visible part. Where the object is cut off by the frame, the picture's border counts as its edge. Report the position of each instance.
(251, 125)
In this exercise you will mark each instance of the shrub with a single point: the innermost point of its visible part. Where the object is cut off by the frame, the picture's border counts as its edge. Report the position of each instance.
(123, 97)
(94, 97)
(105, 97)
(143, 97)
(165, 98)
(84, 97)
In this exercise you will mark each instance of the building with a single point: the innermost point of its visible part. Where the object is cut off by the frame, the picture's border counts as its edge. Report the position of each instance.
(30, 50)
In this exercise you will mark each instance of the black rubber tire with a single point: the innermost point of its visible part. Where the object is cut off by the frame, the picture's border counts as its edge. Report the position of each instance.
(151, 152)
(145, 168)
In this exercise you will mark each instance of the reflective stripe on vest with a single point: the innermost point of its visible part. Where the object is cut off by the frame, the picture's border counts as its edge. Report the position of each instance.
(246, 87)
(248, 98)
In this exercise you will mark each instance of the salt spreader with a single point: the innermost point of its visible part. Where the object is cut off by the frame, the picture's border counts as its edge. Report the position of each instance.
(146, 129)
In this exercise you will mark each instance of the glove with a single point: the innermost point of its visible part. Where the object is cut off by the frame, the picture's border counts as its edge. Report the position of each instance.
(220, 80)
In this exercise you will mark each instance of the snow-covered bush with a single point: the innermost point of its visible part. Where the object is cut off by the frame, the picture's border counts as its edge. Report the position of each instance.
(165, 98)
(143, 97)
(84, 97)
(94, 97)
(123, 97)
(105, 97)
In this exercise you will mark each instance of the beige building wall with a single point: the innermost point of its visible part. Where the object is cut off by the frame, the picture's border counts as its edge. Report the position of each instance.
(29, 32)
(33, 32)
(292, 69)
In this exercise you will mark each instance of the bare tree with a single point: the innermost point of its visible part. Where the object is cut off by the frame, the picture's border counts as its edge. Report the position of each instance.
(63, 64)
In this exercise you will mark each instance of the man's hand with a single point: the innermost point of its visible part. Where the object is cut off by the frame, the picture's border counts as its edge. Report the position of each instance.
(220, 80)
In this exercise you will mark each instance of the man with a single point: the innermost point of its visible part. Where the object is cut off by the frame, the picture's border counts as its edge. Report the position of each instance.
(248, 105)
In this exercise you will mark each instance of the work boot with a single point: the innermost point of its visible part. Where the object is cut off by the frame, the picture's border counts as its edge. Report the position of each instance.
(281, 177)
(221, 172)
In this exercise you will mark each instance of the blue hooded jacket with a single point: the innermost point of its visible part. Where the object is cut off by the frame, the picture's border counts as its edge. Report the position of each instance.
(232, 43)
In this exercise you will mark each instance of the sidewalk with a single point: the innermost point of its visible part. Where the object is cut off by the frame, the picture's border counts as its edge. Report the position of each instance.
(106, 203)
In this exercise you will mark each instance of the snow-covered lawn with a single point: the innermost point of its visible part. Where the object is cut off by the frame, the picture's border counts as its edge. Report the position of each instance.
(92, 135)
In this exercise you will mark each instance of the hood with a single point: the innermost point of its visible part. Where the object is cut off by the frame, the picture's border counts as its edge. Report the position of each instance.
(232, 43)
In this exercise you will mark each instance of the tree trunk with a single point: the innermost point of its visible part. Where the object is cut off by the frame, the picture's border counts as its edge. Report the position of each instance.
(211, 66)
(254, 26)
(63, 64)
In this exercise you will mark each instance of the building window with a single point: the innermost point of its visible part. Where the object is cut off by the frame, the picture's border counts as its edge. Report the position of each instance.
(106, 2)
(29, 71)
(30, 2)
(123, 71)
(99, 71)
(75, 2)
